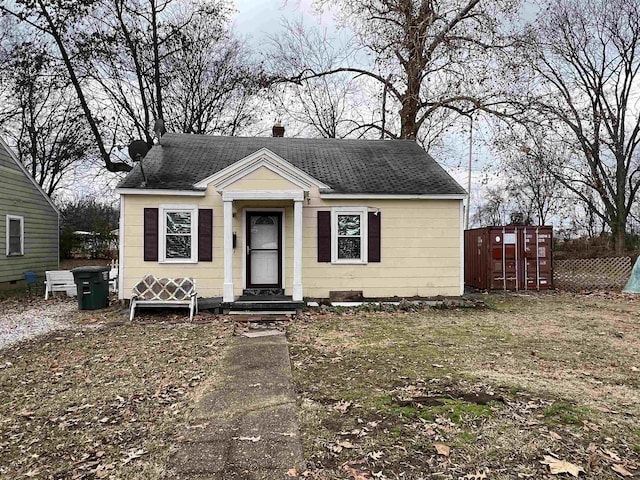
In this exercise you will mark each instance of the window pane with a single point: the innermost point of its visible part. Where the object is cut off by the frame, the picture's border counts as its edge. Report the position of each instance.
(349, 225)
(178, 246)
(15, 243)
(348, 247)
(179, 222)
(14, 228)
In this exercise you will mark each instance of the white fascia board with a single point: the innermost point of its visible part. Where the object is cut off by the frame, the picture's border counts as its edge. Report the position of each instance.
(14, 157)
(159, 191)
(385, 196)
(263, 195)
(262, 154)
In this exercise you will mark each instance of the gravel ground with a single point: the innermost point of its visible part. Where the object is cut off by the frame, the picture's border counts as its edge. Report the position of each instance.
(20, 322)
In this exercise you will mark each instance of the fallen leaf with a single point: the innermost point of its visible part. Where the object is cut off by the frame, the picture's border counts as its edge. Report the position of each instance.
(612, 455)
(357, 474)
(342, 406)
(476, 476)
(345, 444)
(442, 449)
(376, 455)
(292, 472)
(560, 466)
(621, 470)
(605, 410)
(553, 434)
(133, 454)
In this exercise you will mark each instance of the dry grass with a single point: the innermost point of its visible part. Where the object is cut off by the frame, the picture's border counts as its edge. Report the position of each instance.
(104, 400)
(501, 387)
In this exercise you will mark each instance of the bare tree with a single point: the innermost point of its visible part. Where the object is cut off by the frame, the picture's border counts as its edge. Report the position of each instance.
(326, 104)
(581, 62)
(531, 184)
(46, 128)
(210, 81)
(58, 21)
(121, 55)
(430, 58)
(495, 209)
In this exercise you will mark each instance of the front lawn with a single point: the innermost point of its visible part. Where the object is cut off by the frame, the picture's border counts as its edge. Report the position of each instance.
(105, 400)
(529, 385)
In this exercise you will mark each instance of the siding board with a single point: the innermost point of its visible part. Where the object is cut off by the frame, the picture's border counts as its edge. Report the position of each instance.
(19, 196)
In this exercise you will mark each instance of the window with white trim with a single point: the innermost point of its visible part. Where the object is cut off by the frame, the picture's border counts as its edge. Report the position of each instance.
(179, 233)
(15, 235)
(349, 232)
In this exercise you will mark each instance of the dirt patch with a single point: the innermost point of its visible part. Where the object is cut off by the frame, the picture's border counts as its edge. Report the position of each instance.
(500, 388)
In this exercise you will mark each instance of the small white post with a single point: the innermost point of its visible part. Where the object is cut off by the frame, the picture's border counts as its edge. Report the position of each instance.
(297, 251)
(228, 295)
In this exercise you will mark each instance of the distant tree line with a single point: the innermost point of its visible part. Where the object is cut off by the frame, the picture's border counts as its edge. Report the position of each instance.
(90, 215)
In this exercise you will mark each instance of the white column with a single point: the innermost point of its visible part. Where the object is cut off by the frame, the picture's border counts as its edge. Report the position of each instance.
(228, 252)
(297, 251)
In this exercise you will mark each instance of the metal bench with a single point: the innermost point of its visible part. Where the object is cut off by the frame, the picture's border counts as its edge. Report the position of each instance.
(152, 291)
(59, 281)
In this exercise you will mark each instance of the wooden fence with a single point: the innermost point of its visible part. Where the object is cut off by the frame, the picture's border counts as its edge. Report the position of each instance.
(592, 273)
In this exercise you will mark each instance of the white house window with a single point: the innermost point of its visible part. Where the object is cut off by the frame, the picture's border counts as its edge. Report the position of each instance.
(179, 234)
(349, 229)
(15, 235)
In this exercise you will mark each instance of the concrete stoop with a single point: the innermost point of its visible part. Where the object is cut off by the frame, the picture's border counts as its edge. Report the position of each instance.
(247, 427)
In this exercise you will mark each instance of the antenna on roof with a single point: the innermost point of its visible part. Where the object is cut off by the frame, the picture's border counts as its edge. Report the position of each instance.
(137, 151)
(159, 129)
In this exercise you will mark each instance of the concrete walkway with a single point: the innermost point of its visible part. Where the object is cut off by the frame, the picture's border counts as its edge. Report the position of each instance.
(247, 428)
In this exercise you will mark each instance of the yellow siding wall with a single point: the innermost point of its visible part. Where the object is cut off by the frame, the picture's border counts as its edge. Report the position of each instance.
(420, 251)
(262, 179)
(420, 244)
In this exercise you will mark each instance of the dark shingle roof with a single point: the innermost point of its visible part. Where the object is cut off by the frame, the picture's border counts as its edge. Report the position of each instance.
(347, 166)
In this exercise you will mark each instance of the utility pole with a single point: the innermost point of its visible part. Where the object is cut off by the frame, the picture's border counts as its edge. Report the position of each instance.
(466, 223)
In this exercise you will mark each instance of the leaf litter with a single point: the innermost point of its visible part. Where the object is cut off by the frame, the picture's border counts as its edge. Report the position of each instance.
(502, 387)
(106, 401)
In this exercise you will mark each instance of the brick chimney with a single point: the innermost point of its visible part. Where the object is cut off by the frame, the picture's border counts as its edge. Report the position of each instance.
(278, 130)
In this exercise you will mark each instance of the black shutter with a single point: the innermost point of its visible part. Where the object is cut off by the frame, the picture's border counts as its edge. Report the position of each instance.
(205, 235)
(324, 236)
(373, 239)
(150, 234)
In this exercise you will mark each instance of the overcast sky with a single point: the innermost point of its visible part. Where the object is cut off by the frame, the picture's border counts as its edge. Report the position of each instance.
(256, 19)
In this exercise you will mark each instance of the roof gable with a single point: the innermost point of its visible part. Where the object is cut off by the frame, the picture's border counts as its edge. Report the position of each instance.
(22, 168)
(263, 158)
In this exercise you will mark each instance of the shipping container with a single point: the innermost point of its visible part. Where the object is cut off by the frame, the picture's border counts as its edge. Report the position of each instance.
(509, 258)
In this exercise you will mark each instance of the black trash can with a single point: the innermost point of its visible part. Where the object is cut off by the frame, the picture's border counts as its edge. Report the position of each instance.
(93, 287)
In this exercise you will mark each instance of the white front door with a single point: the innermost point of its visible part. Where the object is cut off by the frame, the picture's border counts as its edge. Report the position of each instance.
(264, 244)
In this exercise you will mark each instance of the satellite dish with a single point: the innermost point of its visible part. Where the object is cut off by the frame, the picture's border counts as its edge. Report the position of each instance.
(137, 150)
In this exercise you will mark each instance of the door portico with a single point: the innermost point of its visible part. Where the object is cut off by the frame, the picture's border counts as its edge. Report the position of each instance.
(262, 177)
(258, 196)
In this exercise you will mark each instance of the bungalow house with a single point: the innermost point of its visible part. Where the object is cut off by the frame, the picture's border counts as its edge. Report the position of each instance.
(28, 223)
(294, 216)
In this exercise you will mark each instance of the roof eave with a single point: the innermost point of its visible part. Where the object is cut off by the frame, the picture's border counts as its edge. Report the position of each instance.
(161, 191)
